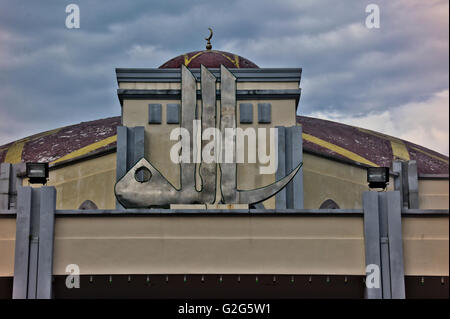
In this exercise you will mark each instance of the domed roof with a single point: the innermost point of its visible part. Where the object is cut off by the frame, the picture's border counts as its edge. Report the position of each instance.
(325, 138)
(210, 59)
(355, 144)
(63, 143)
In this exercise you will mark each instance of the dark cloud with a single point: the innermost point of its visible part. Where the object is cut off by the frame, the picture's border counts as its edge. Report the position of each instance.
(52, 76)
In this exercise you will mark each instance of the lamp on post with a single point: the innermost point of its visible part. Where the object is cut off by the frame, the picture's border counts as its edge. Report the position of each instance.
(37, 173)
(378, 177)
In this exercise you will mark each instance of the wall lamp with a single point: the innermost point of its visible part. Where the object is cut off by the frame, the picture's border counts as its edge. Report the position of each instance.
(378, 177)
(37, 173)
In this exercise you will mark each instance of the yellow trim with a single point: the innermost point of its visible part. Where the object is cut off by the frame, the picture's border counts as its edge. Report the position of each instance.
(188, 60)
(337, 149)
(14, 153)
(399, 150)
(235, 61)
(87, 149)
(398, 147)
(430, 155)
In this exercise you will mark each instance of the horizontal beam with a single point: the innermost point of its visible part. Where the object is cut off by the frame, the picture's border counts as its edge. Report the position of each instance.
(212, 212)
(8, 212)
(424, 212)
(223, 212)
(133, 94)
(433, 176)
(242, 75)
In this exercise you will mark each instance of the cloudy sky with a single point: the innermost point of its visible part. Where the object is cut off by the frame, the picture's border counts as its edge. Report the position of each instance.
(394, 79)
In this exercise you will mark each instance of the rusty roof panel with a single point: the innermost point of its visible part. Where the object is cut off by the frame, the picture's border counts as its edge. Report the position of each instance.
(69, 139)
(373, 146)
(328, 138)
(348, 137)
(430, 162)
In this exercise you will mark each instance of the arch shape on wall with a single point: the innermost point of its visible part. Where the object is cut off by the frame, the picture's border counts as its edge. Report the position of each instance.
(88, 205)
(329, 204)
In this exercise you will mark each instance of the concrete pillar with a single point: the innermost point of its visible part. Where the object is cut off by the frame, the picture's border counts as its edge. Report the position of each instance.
(130, 149)
(384, 243)
(407, 183)
(290, 154)
(33, 261)
(10, 178)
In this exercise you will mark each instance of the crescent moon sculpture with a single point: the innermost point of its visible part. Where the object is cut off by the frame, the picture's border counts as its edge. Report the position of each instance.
(208, 44)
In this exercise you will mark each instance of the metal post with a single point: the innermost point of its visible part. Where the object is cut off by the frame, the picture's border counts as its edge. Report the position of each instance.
(34, 243)
(5, 178)
(280, 197)
(396, 261)
(9, 181)
(384, 245)
(372, 239)
(22, 244)
(405, 187)
(46, 238)
(407, 183)
(398, 179)
(294, 156)
(33, 262)
(130, 149)
(18, 172)
(121, 157)
(413, 185)
(290, 154)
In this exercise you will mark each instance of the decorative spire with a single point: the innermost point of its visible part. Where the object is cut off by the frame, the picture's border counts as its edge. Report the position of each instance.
(208, 44)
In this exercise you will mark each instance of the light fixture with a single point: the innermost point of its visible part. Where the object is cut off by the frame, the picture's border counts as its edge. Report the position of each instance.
(37, 173)
(378, 177)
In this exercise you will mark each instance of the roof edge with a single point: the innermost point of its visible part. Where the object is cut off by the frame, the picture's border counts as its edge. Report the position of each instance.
(242, 75)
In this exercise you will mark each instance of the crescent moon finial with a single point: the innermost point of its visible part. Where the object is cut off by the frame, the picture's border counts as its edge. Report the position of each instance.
(208, 44)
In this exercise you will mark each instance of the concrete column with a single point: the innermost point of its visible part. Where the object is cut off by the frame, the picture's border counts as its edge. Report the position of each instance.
(47, 208)
(384, 243)
(22, 244)
(33, 262)
(280, 197)
(396, 260)
(413, 185)
(407, 183)
(130, 149)
(372, 239)
(290, 154)
(10, 179)
(5, 177)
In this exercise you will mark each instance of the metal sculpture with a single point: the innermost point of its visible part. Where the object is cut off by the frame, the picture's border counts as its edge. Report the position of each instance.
(208, 39)
(157, 191)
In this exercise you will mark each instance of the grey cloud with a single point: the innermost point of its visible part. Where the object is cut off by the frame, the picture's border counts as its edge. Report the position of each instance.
(54, 76)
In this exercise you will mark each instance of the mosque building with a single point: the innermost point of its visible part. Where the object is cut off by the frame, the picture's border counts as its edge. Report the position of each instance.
(132, 223)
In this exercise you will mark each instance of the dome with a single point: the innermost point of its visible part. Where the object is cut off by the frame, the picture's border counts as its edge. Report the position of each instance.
(210, 59)
(321, 137)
